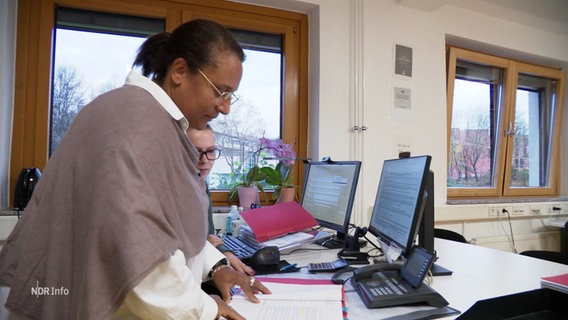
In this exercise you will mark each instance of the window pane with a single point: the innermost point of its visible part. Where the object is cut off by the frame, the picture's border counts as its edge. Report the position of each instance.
(93, 54)
(534, 112)
(86, 65)
(257, 113)
(475, 118)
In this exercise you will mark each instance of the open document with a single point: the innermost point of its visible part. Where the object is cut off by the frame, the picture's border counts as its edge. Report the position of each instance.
(296, 299)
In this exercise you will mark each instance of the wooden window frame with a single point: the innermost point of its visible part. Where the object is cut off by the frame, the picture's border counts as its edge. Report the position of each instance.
(503, 167)
(34, 58)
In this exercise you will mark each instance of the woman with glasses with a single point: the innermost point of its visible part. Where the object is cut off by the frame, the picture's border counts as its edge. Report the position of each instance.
(204, 142)
(117, 226)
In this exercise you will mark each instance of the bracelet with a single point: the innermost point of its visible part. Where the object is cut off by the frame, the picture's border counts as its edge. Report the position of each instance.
(223, 263)
(219, 268)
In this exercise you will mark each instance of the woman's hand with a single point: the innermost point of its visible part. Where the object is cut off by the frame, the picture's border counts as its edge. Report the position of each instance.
(237, 264)
(226, 278)
(215, 240)
(226, 311)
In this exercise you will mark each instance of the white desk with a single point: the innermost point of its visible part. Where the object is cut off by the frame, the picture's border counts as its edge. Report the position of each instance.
(479, 273)
(557, 223)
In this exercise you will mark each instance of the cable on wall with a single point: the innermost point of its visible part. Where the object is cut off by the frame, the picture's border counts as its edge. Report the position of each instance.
(512, 239)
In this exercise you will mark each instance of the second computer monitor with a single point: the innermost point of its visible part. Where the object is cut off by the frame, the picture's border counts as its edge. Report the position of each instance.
(329, 191)
(399, 204)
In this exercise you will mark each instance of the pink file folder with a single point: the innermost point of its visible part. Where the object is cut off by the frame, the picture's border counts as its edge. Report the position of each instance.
(278, 220)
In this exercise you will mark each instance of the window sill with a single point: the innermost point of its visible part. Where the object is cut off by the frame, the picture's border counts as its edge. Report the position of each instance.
(504, 200)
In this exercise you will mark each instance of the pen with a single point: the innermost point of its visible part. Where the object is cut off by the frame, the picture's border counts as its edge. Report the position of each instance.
(288, 267)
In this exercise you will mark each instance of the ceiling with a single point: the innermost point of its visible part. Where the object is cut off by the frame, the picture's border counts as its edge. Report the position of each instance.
(549, 15)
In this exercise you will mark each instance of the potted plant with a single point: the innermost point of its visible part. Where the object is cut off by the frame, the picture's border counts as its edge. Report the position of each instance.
(251, 184)
(279, 177)
(260, 177)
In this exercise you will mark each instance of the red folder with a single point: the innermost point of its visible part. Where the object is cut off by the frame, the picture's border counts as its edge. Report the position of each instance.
(278, 220)
(559, 282)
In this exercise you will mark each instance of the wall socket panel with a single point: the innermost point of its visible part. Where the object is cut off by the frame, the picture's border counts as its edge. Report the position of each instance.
(497, 211)
(548, 209)
(553, 209)
(520, 211)
(536, 210)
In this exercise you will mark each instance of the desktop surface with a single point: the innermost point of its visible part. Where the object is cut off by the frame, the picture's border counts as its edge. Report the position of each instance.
(479, 273)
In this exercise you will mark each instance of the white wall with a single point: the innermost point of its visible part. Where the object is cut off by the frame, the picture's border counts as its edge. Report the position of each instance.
(8, 14)
(352, 78)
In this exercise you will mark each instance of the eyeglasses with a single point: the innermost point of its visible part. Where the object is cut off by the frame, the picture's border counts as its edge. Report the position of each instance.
(222, 96)
(211, 154)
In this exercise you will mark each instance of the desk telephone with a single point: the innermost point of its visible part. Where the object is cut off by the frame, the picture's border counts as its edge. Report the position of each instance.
(390, 284)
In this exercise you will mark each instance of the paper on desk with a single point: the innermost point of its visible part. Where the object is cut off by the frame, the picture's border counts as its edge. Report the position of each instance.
(293, 302)
(289, 240)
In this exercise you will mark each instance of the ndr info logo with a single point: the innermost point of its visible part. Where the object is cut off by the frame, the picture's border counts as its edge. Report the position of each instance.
(49, 291)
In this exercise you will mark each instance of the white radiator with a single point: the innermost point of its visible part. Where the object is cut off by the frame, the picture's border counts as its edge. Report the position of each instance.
(535, 241)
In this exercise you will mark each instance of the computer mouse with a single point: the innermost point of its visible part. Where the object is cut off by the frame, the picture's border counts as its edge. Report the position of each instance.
(266, 259)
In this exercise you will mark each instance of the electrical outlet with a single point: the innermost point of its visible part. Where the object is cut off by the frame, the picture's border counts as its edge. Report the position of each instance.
(536, 210)
(494, 211)
(554, 209)
(497, 211)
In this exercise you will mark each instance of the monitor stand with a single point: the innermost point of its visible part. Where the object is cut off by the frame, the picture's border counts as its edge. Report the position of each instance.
(331, 243)
(337, 242)
(353, 257)
(352, 253)
(438, 270)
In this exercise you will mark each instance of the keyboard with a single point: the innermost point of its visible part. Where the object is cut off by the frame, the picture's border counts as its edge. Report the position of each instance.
(241, 248)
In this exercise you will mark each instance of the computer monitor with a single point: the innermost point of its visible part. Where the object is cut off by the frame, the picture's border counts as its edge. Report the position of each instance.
(329, 191)
(399, 204)
(426, 228)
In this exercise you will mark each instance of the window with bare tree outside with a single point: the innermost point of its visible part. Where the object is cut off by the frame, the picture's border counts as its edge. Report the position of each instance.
(94, 52)
(504, 126)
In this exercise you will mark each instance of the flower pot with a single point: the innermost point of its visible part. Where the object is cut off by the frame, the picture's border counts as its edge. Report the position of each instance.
(248, 196)
(287, 194)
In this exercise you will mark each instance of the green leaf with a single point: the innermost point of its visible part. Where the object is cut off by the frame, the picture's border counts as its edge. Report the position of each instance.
(272, 176)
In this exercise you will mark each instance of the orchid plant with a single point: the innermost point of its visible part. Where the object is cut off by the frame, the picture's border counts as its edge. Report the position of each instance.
(277, 176)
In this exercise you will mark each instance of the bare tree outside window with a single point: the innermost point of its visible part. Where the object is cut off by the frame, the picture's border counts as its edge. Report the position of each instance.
(67, 100)
(237, 134)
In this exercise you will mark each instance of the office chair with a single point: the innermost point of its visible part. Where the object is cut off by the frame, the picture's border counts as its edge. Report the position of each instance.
(553, 256)
(449, 235)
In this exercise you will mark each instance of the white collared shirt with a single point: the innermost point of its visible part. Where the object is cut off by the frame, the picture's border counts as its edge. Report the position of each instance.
(136, 79)
(173, 289)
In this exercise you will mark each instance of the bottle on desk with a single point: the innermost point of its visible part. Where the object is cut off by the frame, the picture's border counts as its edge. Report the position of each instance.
(237, 223)
(232, 217)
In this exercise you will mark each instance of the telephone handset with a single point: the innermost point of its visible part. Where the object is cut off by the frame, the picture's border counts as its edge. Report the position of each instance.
(391, 284)
(367, 272)
(344, 275)
(25, 185)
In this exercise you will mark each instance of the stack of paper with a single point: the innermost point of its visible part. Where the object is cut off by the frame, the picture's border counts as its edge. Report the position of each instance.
(559, 282)
(293, 299)
(283, 243)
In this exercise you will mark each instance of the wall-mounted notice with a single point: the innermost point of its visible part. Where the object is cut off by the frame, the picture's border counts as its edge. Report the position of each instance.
(403, 60)
(402, 98)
